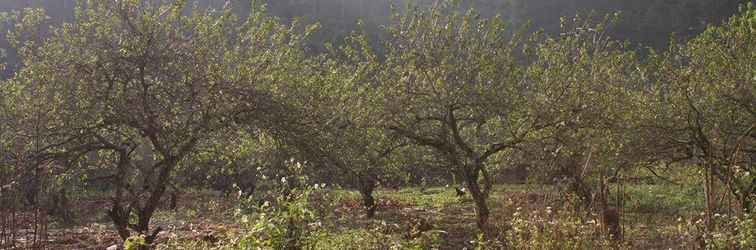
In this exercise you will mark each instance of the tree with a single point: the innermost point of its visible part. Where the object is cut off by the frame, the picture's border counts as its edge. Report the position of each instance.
(135, 87)
(7, 133)
(584, 83)
(452, 82)
(23, 118)
(702, 106)
(330, 124)
(363, 149)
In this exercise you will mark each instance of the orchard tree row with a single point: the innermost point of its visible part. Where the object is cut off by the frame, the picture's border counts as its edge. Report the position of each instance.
(144, 100)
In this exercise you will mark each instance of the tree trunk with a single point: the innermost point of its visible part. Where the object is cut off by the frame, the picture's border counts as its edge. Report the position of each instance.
(120, 218)
(480, 203)
(156, 192)
(60, 207)
(143, 225)
(571, 169)
(118, 213)
(173, 203)
(369, 203)
(708, 196)
(479, 197)
(367, 186)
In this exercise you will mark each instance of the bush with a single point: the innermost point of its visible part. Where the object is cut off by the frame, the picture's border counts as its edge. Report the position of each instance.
(286, 223)
(287, 215)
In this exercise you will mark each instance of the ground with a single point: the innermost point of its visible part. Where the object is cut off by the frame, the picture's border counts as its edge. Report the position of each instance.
(205, 219)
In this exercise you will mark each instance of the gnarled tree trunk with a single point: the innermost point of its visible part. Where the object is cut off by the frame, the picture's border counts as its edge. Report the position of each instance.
(478, 193)
(367, 186)
(480, 203)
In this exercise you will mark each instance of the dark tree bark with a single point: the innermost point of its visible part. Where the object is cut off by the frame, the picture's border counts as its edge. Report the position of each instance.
(480, 197)
(173, 199)
(367, 186)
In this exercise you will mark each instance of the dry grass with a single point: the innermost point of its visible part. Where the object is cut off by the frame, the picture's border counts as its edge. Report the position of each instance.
(207, 220)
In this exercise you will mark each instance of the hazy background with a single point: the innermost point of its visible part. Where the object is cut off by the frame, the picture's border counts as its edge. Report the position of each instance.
(645, 23)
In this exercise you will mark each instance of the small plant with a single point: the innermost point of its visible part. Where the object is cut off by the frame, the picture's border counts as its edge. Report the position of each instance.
(291, 219)
(431, 239)
(481, 243)
(136, 242)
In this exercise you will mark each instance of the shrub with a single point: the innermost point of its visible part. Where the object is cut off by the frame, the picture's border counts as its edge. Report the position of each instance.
(288, 214)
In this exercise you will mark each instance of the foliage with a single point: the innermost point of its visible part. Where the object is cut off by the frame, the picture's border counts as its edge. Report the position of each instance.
(450, 82)
(335, 127)
(133, 88)
(291, 219)
(131, 101)
(584, 85)
(702, 101)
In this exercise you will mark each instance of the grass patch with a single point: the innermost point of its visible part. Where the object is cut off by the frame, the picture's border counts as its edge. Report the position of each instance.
(435, 197)
(663, 199)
